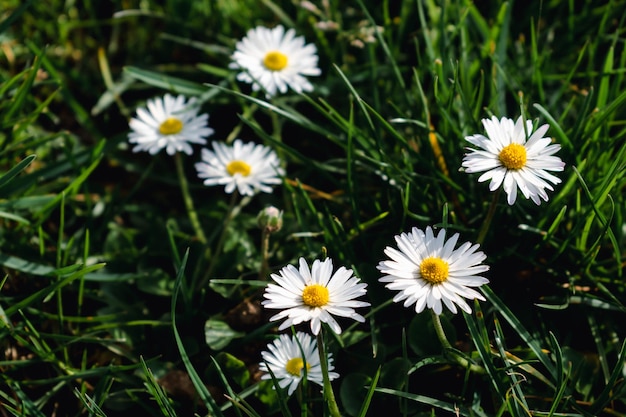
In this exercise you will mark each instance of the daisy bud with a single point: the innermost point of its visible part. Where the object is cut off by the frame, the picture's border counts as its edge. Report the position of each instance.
(270, 219)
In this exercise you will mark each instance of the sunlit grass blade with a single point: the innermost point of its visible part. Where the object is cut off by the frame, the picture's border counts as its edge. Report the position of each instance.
(519, 405)
(370, 394)
(71, 188)
(157, 391)
(91, 406)
(429, 401)
(562, 137)
(26, 406)
(594, 201)
(166, 82)
(10, 174)
(533, 343)
(233, 397)
(482, 344)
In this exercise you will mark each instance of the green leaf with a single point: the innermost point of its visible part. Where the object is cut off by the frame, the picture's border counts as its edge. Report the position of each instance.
(156, 282)
(269, 397)
(218, 334)
(232, 367)
(422, 337)
(393, 373)
(353, 393)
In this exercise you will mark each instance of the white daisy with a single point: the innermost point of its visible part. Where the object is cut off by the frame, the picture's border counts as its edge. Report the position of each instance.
(512, 161)
(315, 295)
(273, 59)
(249, 167)
(427, 271)
(287, 357)
(168, 123)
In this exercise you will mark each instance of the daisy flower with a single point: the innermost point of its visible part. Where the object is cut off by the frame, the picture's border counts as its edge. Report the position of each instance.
(249, 167)
(512, 161)
(287, 358)
(169, 123)
(429, 272)
(314, 295)
(274, 60)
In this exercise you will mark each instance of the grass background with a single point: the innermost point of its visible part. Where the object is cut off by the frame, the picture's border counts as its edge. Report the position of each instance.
(104, 304)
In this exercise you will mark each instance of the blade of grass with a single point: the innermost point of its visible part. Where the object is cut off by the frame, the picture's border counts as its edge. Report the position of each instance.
(18, 101)
(166, 82)
(519, 328)
(606, 396)
(520, 406)
(47, 291)
(10, 174)
(93, 408)
(429, 401)
(476, 328)
(203, 392)
(370, 394)
(595, 200)
(157, 391)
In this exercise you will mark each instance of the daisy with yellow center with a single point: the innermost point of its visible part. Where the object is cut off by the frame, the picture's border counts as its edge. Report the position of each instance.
(429, 272)
(314, 295)
(274, 60)
(507, 158)
(288, 356)
(248, 168)
(168, 123)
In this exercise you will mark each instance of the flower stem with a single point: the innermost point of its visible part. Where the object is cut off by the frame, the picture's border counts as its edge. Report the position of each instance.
(265, 245)
(449, 351)
(487, 222)
(441, 334)
(191, 211)
(329, 395)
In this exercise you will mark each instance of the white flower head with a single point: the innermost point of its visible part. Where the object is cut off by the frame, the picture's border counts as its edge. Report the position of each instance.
(275, 60)
(315, 295)
(288, 356)
(169, 123)
(249, 168)
(428, 272)
(512, 161)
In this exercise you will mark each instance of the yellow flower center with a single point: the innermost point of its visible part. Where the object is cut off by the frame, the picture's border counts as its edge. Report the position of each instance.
(171, 126)
(238, 167)
(275, 61)
(315, 295)
(434, 270)
(513, 156)
(294, 366)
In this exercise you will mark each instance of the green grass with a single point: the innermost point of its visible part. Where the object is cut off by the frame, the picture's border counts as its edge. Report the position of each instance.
(111, 303)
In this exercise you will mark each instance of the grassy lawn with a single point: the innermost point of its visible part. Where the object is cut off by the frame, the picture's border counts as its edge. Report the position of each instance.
(177, 176)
